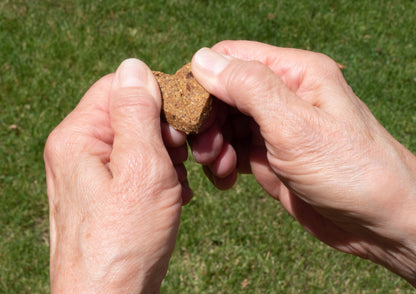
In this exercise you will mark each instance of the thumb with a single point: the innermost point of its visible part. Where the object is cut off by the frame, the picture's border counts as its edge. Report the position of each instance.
(255, 90)
(135, 104)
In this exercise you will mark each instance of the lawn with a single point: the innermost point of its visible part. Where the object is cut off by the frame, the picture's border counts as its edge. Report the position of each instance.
(239, 241)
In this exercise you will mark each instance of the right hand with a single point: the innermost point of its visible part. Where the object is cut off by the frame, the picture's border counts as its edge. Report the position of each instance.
(313, 145)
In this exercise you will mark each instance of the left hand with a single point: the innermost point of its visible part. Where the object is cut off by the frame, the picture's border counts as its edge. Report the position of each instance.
(115, 194)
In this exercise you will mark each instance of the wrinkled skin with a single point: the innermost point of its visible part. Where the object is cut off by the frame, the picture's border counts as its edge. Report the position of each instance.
(296, 125)
(115, 194)
(116, 179)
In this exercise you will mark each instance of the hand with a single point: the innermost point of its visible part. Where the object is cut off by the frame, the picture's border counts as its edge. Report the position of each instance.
(313, 145)
(115, 195)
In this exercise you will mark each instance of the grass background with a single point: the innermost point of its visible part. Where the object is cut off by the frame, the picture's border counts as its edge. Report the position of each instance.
(232, 242)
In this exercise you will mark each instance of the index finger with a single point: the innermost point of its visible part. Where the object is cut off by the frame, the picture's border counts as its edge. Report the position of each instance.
(293, 66)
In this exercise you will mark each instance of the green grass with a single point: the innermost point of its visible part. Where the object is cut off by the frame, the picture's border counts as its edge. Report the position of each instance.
(232, 242)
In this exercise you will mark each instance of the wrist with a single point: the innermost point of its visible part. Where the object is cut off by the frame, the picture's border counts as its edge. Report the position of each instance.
(105, 271)
(398, 252)
(74, 278)
(408, 222)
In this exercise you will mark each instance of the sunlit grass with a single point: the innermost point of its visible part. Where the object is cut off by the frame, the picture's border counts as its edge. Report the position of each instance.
(237, 241)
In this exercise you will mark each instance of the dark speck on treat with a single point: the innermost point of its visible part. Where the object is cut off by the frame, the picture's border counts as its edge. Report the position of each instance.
(185, 103)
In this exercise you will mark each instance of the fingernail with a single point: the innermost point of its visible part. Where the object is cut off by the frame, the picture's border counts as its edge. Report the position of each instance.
(132, 73)
(210, 62)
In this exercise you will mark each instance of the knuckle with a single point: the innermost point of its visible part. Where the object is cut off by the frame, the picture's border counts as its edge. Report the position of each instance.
(248, 76)
(326, 63)
(257, 90)
(53, 145)
(60, 146)
(134, 100)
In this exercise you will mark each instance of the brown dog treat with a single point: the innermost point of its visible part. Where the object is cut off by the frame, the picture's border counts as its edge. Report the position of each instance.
(185, 103)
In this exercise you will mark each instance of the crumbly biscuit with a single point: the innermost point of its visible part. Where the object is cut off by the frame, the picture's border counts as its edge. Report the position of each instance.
(185, 103)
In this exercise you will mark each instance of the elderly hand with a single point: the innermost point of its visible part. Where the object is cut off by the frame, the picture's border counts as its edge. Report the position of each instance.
(312, 144)
(115, 194)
